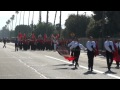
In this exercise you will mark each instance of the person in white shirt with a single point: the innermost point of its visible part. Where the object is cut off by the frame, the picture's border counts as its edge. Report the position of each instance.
(77, 48)
(91, 46)
(72, 50)
(109, 47)
(55, 41)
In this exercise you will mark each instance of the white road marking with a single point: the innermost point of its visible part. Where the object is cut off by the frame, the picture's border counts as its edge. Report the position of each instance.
(41, 75)
(111, 75)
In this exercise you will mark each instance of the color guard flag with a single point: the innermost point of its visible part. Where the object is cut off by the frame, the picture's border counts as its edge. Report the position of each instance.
(96, 50)
(116, 56)
(63, 51)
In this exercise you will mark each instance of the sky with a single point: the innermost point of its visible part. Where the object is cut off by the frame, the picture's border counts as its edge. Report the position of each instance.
(6, 15)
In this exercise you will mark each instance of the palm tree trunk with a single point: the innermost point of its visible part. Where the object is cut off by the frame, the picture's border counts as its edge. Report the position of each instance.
(60, 23)
(47, 17)
(16, 18)
(28, 18)
(55, 17)
(77, 13)
(40, 19)
(33, 21)
(20, 17)
(23, 17)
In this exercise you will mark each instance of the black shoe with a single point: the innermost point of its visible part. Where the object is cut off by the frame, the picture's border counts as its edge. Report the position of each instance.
(117, 67)
(109, 71)
(91, 70)
(76, 67)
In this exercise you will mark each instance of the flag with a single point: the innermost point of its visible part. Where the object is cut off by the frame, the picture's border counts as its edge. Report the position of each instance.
(96, 50)
(69, 57)
(116, 56)
(63, 51)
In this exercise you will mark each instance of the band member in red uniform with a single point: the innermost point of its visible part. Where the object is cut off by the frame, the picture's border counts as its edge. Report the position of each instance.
(25, 43)
(20, 35)
(24, 36)
(33, 39)
(20, 40)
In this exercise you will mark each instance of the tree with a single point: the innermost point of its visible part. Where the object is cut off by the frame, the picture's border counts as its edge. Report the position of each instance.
(41, 27)
(77, 25)
(109, 22)
(93, 29)
(12, 18)
(23, 29)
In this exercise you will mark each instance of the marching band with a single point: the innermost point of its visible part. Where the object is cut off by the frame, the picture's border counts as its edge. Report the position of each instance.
(51, 43)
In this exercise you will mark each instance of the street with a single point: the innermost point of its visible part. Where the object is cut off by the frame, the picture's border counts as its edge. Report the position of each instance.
(49, 65)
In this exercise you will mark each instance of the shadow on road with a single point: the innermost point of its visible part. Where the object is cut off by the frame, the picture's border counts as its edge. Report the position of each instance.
(110, 72)
(61, 68)
(89, 72)
(61, 65)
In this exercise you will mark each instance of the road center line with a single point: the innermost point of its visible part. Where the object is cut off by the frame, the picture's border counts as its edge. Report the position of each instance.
(41, 75)
(111, 75)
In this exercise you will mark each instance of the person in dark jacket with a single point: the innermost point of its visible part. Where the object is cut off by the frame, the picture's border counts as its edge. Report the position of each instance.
(4, 41)
(16, 44)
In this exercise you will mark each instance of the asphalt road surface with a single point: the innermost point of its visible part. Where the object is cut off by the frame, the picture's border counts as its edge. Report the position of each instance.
(49, 65)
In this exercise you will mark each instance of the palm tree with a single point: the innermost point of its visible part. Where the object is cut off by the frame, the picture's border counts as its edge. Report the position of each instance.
(32, 20)
(16, 17)
(60, 22)
(55, 17)
(77, 13)
(47, 17)
(8, 23)
(28, 18)
(20, 17)
(40, 19)
(23, 17)
(12, 18)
